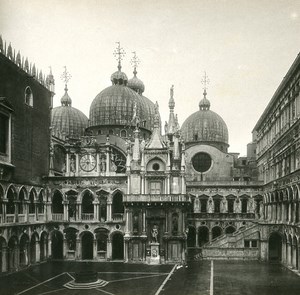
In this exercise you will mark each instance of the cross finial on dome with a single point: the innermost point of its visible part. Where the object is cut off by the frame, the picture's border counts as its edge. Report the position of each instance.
(65, 76)
(205, 81)
(119, 53)
(135, 63)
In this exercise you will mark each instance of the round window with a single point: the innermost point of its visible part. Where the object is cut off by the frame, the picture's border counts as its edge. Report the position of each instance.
(155, 166)
(201, 162)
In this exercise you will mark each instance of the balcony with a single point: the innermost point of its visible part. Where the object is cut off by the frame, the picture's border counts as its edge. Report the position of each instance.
(117, 217)
(31, 217)
(161, 198)
(87, 216)
(57, 217)
(10, 218)
(41, 217)
(21, 218)
(204, 215)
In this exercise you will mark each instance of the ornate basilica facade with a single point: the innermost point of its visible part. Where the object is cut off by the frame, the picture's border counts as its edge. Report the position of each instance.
(112, 187)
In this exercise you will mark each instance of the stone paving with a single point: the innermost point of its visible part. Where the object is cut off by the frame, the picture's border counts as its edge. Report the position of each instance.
(201, 278)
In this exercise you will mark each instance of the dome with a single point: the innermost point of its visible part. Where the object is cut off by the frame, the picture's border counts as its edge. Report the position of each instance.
(119, 105)
(205, 126)
(136, 84)
(68, 121)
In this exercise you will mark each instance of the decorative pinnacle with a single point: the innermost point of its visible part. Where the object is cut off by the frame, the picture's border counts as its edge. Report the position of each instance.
(135, 62)
(171, 101)
(66, 76)
(119, 53)
(205, 81)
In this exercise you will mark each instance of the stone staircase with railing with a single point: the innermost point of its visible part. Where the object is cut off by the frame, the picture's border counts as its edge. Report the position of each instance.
(229, 246)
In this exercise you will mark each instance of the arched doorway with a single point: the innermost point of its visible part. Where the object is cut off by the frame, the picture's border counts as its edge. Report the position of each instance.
(33, 246)
(216, 232)
(117, 247)
(191, 237)
(87, 242)
(203, 235)
(13, 253)
(44, 246)
(57, 245)
(275, 247)
(3, 255)
(24, 247)
(230, 230)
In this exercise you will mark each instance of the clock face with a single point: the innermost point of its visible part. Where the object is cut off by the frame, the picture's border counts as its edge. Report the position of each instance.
(88, 162)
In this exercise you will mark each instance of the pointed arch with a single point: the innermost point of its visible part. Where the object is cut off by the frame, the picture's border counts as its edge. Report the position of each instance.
(117, 203)
(57, 202)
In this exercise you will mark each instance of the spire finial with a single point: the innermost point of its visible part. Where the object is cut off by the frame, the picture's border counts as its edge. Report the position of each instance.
(66, 76)
(119, 53)
(205, 81)
(171, 100)
(135, 62)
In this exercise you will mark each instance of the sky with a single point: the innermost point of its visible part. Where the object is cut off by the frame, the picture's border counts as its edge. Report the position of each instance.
(245, 47)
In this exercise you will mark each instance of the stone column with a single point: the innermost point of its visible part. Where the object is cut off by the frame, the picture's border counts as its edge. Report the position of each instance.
(210, 235)
(264, 250)
(282, 212)
(166, 220)
(95, 249)
(144, 222)
(295, 212)
(4, 259)
(78, 248)
(65, 246)
(142, 183)
(37, 251)
(109, 213)
(197, 238)
(49, 247)
(294, 262)
(290, 212)
(109, 249)
(283, 253)
(77, 164)
(96, 210)
(107, 162)
(67, 165)
(66, 212)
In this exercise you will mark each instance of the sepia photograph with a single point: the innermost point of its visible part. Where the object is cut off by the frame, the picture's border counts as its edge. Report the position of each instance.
(150, 147)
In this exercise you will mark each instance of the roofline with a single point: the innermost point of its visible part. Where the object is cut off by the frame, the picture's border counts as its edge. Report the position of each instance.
(278, 91)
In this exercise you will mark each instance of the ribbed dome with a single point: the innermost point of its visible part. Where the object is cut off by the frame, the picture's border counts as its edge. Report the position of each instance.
(115, 105)
(68, 121)
(204, 125)
(136, 84)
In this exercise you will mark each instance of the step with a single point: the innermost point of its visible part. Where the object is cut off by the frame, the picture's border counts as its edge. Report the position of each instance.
(84, 286)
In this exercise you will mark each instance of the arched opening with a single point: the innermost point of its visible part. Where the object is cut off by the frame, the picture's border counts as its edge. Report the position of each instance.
(3, 255)
(57, 245)
(13, 254)
(41, 203)
(117, 204)
(244, 205)
(217, 205)
(117, 247)
(24, 249)
(31, 203)
(44, 246)
(101, 237)
(203, 235)
(21, 204)
(216, 232)
(33, 248)
(275, 247)
(10, 206)
(230, 203)
(230, 230)
(87, 203)
(203, 203)
(191, 237)
(87, 242)
(57, 203)
(295, 253)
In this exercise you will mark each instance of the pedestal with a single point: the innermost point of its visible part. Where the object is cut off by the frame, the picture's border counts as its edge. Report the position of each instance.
(154, 250)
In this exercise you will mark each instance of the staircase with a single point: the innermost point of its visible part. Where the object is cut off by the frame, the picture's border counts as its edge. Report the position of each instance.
(85, 286)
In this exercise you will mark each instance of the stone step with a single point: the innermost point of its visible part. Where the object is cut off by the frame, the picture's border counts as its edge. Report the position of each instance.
(84, 286)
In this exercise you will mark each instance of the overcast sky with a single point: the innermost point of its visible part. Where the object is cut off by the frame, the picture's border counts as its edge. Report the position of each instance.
(246, 48)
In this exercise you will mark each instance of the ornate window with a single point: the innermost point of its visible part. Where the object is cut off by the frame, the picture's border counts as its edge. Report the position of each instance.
(201, 162)
(28, 96)
(155, 187)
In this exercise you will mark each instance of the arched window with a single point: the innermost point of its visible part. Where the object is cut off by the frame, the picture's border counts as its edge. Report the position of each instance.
(31, 203)
(21, 204)
(123, 133)
(10, 206)
(87, 203)
(57, 205)
(230, 205)
(203, 205)
(117, 204)
(217, 205)
(244, 205)
(41, 203)
(28, 96)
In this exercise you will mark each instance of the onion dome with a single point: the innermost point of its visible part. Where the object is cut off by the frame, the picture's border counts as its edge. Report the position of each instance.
(136, 84)
(205, 126)
(68, 121)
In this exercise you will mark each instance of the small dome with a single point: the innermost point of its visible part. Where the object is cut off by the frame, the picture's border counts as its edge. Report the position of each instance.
(68, 121)
(205, 126)
(119, 77)
(136, 84)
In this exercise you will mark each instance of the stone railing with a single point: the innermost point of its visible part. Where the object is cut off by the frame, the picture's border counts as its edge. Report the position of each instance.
(31, 217)
(117, 217)
(87, 216)
(57, 217)
(221, 215)
(21, 218)
(41, 217)
(10, 218)
(148, 198)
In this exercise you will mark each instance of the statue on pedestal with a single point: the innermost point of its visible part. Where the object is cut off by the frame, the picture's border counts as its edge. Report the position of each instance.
(154, 234)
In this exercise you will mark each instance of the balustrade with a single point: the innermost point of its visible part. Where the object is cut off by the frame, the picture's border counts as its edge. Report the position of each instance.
(57, 217)
(87, 216)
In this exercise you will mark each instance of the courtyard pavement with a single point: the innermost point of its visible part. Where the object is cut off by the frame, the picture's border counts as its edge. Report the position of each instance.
(198, 278)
